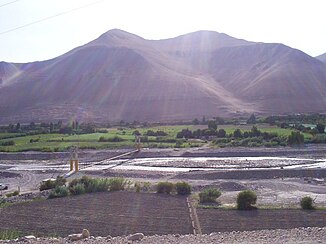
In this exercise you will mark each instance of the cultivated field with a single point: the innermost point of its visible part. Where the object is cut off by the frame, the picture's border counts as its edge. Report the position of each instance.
(123, 213)
(54, 142)
(216, 220)
(115, 214)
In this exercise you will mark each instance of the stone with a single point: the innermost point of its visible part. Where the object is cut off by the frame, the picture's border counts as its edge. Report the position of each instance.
(85, 234)
(136, 237)
(31, 237)
(109, 237)
(75, 237)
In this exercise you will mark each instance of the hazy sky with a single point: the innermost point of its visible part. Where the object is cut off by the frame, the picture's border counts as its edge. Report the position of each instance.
(300, 24)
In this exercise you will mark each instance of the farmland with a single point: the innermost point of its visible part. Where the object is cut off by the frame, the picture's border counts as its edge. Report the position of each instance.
(53, 142)
(118, 213)
(233, 220)
(122, 213)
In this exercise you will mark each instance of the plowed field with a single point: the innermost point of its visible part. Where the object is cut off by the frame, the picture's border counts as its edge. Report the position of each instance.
(117, 213)
(214, 220)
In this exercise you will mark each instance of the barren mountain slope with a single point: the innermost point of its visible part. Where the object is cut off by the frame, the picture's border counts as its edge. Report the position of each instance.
(109, 79)
(123, 76)
(274, 77)
(322, 57)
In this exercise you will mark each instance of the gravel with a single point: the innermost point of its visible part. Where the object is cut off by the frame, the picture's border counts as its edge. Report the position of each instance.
(298, 235)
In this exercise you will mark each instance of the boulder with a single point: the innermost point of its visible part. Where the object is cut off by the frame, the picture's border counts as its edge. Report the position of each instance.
(85, 233)
(31, 237)
(136, 237)
(75, 237)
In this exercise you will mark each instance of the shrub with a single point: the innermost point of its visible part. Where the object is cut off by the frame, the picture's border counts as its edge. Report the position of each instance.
(115, 139)
(137, 187)
(111, 139)
(142, 186)
(100, 185)
(8, 143)
(77, 189)
(51, 184)
(295, 139)
(183, 188)
(209, 195)
(307, 203)
(146, 186)
(165, 187)
(59, 191)
(117, 184)
(9, 234)
(90, 185)
(246, 199)
(12, 194)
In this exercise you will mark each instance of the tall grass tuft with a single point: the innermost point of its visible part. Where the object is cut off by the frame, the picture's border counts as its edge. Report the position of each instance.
(9, 234)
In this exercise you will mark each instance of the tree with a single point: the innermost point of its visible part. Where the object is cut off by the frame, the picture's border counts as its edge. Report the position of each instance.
(195, 121)
(320, 128)
(252, 119)
(246, 199)
(237, 133)
(296, 138)
(212, 125)
(32, 125)
(73, 125)
(76, 125)
(255, 132)
(183, 188)
(136, 133)
(209, 195)
(307, 203)
(221, 133)
(51, 127)
(59, 124)
(18, 126)
(203, 121)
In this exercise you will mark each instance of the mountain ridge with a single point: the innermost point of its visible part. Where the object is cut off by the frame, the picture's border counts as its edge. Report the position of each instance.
(121, 76)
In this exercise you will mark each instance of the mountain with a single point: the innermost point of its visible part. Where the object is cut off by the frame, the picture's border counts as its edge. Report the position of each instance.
(322, 57)
(121, 76)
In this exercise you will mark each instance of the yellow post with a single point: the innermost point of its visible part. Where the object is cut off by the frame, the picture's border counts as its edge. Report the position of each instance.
(71, 165)
(76, 165)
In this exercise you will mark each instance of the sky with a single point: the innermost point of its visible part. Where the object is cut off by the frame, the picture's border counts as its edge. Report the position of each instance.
(35, 30)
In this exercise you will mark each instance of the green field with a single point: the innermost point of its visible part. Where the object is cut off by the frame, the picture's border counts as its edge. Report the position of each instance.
(62, 142)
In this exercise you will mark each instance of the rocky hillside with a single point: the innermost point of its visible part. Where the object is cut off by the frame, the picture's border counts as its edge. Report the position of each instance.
(121, 76)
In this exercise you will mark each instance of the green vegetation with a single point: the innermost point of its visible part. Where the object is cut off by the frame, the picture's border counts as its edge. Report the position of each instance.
(220, 132)
(183, 188)
(77, 189)
(10, 234)
(142, 186)
(295, 139)
(120, 137)
(118, 184)
(164, 187)
(209, 195)
(59, 191)
(51, 184)
(307, 203)
(12, 194)
(3, 203)
(88, 185)
(246, 199)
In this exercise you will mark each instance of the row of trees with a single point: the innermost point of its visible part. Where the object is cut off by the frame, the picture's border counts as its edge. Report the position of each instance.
(73, 127)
